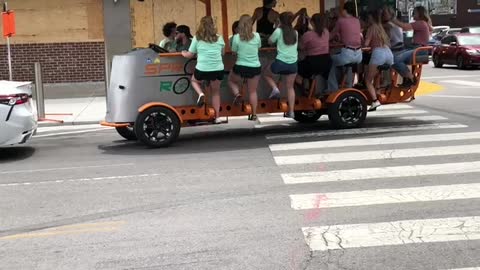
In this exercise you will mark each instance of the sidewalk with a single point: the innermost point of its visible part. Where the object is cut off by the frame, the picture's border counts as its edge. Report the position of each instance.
(74, 104)
(74, 111)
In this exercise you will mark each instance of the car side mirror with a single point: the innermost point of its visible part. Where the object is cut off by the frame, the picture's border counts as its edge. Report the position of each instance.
(453, 44)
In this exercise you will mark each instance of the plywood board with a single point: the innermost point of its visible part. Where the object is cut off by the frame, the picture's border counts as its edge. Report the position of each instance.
(179, 11)
(46, 21)
(148, 21)
(95, 19)
(142, 16)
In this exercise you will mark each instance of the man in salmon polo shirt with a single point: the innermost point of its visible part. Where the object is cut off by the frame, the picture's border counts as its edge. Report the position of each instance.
(348, 31)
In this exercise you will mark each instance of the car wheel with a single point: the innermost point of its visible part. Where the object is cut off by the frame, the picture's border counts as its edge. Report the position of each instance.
(127, 133)
(157, 127)
(307, 116)
(436, 61)
(461, 62)
(348, 111)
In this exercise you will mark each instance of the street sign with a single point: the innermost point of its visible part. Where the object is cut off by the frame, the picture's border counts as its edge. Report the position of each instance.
(8, 19)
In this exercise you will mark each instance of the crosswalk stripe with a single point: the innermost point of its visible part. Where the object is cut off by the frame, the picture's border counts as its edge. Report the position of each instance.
(454, 96)
(469, 268)
(402, 232)
(409, 118)
(376, 141)
(385, 196)
(462, 82)
(443, 77)
(378, 114)
(359, 131)
(389, 107)
(382, 154)
(272, 122)
(381, 173)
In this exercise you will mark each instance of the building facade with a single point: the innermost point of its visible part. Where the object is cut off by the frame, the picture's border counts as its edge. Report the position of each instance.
(66, 37)
(71, 39)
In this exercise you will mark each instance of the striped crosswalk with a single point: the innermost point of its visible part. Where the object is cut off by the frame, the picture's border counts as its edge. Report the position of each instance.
(427, 152)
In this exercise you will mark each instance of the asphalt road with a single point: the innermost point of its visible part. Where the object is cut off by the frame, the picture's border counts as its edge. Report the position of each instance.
(401, 193)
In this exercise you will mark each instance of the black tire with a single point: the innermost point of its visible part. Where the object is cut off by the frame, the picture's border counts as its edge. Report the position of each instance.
(461, 63)
(157, 121)
(307, 116)
(127, 133)
(348, 111)
(436, 61)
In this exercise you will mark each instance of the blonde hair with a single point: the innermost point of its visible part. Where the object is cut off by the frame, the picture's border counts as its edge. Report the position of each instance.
(207, 31)
(377, 29)
(245, 28)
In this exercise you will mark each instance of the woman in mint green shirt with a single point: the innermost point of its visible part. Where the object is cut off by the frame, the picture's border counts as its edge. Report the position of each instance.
(246, 44)
(209, 48)
(285, 63)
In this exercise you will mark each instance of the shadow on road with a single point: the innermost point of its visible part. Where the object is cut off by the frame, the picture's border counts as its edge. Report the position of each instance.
(193, 142)
(229, 139)
(12, 154)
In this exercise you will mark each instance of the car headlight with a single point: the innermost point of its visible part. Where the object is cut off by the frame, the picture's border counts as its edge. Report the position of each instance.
(473, 52)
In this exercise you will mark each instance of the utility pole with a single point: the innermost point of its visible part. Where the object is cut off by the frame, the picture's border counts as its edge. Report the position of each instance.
(7, 19)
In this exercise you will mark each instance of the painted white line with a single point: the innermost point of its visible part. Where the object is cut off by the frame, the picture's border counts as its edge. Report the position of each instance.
(68, 168)
(274, 122)
(409, 118)
(384, 113)
(80, 180)
(453, 96)
(376, 141)
(277, 119)
(381, 173)
(470, 268)
(378, 114)
(385, 196)
(359, 131)
(382, 108)
(69, 132)
(379, 155)
(446, 77)
(461, 82)
(392, 233)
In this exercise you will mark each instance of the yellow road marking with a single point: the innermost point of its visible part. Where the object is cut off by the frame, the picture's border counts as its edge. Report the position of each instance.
(427, 88)
(69, 230)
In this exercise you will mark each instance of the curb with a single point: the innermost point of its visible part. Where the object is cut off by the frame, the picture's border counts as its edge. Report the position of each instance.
(74, 123)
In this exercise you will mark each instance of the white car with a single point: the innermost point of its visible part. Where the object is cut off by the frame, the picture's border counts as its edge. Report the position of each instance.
(18, 118)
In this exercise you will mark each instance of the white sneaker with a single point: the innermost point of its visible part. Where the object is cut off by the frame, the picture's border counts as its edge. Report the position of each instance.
(290, 115)
(374, 106)
(217, 121)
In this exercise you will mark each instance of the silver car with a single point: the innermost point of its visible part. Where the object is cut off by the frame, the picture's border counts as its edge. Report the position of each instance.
(18, 120)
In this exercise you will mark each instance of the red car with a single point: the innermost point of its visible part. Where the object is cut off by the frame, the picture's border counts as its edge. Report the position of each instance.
(462, 50)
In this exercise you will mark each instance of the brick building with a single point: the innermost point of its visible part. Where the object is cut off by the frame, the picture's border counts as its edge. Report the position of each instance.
(66, 37)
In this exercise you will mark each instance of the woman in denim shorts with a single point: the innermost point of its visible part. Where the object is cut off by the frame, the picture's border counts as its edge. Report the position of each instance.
(285, 63)
(378, 40)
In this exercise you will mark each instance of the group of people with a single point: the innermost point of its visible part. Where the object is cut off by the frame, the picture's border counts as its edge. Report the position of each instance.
(380, 30)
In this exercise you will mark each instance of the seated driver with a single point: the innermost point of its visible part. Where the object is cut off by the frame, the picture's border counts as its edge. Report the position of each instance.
(169, 31)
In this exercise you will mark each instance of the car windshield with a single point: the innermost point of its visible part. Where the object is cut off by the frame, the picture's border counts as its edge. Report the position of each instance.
(469, 40)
